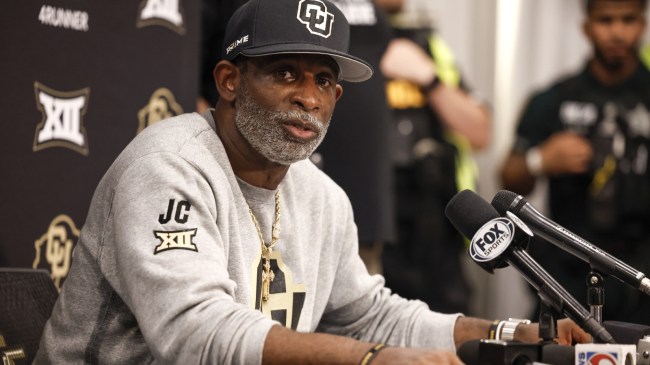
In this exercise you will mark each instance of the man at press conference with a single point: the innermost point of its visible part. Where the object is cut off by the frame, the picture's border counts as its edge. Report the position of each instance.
(212, 239)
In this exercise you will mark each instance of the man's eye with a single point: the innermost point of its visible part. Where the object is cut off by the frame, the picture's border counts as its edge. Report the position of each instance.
(285, 74)
(629, 19)
(324, 82)
(605, 20)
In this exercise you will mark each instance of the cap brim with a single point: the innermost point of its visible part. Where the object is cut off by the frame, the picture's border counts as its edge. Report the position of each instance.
(352, 69)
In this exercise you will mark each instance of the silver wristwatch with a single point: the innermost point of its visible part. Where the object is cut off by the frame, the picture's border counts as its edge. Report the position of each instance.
(507, 330)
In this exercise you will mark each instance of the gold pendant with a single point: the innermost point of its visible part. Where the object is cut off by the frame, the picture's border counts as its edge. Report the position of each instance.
(267, 276)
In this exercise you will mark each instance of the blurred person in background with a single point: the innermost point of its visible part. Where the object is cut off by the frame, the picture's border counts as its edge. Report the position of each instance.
(357, 152)
(589, 134)
(437, 124)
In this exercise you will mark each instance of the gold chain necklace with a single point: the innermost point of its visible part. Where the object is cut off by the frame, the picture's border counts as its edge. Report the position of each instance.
(267, 273)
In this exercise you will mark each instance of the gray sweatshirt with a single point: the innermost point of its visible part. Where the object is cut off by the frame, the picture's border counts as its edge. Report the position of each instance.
(168, 264)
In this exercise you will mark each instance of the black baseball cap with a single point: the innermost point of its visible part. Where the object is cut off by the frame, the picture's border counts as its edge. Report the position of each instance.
(270, 27)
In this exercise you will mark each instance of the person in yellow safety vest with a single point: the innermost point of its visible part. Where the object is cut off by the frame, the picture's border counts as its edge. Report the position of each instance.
(438, 123)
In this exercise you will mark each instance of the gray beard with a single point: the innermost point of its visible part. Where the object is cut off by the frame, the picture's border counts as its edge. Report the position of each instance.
(263, 130)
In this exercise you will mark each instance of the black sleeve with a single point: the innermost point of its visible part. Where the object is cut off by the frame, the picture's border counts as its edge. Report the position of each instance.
(538, 121)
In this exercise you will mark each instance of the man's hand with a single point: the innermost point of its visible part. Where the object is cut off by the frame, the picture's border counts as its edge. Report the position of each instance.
(568, 332)
(402, 355)
(565, 152)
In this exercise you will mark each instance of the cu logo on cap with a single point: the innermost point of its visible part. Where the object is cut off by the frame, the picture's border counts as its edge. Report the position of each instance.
(313, 13)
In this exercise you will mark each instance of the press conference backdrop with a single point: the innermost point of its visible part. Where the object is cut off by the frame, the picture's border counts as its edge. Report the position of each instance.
(79, 79)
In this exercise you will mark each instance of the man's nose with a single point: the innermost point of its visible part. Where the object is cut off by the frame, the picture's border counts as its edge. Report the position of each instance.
(618, 29)
(307, 94)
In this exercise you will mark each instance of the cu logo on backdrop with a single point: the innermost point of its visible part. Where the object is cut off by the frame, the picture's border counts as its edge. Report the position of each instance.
(314, 14)
(162, 105)
(54, 248)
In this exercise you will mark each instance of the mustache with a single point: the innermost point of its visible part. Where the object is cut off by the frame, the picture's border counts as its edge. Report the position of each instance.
(247, 103)
(304, 117)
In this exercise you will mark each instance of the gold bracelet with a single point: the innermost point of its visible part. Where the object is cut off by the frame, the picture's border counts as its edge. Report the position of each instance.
(371, 354)
(493, 332)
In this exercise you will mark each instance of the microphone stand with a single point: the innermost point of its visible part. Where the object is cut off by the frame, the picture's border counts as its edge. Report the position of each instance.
(596, 294)
(547, 323)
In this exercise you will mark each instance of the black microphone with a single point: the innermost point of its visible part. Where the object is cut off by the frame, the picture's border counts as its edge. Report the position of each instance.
(626, 332)
(506, 201)
(487, 352)
(497, 240)
(558, 354)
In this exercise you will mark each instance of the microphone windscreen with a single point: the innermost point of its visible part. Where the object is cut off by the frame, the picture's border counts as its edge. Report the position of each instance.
(468, 212)
(626, 333)
(468, 352)
(554, 354)
(503, 200)
(558, 354)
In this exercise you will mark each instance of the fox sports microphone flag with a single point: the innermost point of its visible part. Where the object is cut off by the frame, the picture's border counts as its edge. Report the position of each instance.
(496, 240)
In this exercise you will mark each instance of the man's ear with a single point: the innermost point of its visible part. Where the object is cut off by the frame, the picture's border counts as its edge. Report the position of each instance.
(339, 91)
(226, 77)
